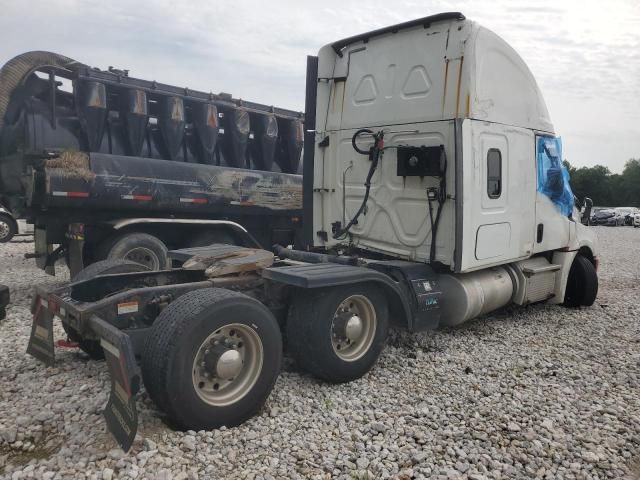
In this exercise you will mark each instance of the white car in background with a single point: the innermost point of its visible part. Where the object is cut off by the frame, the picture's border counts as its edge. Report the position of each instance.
(10, 226)
(636, 219)
(627, 213)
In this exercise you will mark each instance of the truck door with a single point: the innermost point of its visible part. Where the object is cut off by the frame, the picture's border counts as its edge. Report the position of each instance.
(554, 198)
(499, 194)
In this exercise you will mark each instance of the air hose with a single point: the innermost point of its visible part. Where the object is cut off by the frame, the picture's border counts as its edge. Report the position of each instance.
(374, 155)
(441, 196)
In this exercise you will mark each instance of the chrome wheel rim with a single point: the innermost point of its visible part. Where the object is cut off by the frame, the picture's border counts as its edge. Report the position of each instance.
(353, 328)
(4, 230)
(227, 364)
(143, 256)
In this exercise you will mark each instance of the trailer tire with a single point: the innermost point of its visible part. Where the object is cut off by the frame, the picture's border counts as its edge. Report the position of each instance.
(209, 237)
(140, 248)
(181, 361)
(103, 267)
(8, 228)
(322, 339)
(582, 283)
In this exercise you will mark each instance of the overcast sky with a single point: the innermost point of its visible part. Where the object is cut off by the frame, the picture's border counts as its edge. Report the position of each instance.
(585, 54)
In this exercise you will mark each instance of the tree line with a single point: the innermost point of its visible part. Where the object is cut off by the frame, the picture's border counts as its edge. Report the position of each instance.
(607, 189)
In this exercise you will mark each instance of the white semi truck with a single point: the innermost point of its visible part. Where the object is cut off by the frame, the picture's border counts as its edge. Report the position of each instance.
(433, 191)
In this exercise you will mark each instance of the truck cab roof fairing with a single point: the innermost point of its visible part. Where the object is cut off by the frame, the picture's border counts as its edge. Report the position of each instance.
(424, 21)
(487, 77)
(502, 88)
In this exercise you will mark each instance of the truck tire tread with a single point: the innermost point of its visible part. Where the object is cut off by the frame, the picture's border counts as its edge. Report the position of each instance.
(582, 284)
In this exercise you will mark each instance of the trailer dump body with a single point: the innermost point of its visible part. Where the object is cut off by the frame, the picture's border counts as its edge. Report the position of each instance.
(133, 144)
(133, 183)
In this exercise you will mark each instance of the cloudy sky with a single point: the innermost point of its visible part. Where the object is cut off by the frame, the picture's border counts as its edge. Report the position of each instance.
(585, 54)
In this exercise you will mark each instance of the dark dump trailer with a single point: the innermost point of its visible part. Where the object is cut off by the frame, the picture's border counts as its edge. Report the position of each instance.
(109, 166)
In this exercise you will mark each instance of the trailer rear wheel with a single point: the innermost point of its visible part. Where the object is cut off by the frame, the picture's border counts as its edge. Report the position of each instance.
(338, 333)
(209, 237)
(103, 267)
(582, 284)
(212, 358)
(8, 228)
(140, 248)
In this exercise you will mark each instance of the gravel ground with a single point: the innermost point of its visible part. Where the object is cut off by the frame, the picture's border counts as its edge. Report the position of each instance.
(537, 392)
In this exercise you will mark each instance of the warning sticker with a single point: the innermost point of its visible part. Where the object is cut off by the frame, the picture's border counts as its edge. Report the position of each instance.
(127, 307)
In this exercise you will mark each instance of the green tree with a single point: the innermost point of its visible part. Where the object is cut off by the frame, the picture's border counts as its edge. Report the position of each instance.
(606, 188)
(630, 184)
(594, 182)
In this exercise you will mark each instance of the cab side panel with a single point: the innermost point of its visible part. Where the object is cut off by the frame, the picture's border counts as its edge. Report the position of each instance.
(499, 194)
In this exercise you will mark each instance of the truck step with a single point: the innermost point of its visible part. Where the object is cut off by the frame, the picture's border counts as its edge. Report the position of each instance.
(535, 270)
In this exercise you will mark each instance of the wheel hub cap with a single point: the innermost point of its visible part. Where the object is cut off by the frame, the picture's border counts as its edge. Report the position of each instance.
(353, 328)
(143, 256)
(4, 229)
(229, 364)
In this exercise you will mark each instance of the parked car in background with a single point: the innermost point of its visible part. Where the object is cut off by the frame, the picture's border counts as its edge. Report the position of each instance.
(609, 216)
(636, 219)
(11, 226)
(627, 213)
(595, 210)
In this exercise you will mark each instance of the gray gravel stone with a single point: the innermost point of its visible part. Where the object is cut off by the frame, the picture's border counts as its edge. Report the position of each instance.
(513, 427)
(9, 434)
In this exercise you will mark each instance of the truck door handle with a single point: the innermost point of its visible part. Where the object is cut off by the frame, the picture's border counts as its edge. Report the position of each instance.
(540, 233)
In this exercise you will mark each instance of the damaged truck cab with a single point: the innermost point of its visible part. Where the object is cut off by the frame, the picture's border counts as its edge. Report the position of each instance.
(433, 192)
(471, 175)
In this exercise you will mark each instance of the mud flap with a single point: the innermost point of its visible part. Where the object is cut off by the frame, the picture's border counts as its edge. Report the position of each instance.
(41, 340)
(120, 413)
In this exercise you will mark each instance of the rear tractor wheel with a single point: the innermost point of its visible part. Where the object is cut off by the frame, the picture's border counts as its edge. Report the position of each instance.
(212, 358)
(338, 333)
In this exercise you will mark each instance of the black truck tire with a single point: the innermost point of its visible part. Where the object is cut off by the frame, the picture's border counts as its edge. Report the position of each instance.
(141, 248)
(103, 267)
(582, 283)
(212, 358)
(8, 228)
(209, 237)
(338, 333)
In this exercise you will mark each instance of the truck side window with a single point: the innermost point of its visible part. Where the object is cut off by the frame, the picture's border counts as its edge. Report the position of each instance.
(494, 173)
